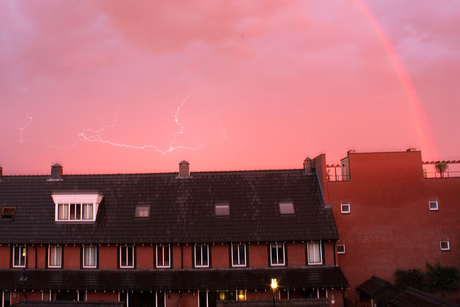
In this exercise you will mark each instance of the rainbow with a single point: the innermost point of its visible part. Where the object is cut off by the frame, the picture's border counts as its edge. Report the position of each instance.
(419, 117)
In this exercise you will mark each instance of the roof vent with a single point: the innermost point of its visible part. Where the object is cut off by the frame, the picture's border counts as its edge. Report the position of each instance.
(56, 172)
(184, 169)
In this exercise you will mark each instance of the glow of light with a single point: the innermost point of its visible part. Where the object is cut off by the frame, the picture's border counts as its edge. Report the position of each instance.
(422, 127)
(274, 284)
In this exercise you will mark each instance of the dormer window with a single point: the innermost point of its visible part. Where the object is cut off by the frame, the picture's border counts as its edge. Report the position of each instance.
(76, 207)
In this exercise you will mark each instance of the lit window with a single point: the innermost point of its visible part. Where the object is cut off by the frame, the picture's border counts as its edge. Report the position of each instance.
(314, 253)
(19, 256)
(445, 245)
(142, 211)
(345, 208)
(89, 256)
(222, 210)
(78, 207)
(201, 255)
(341, 249)
(238, 255)
(127, 256)
(287, 207)
(277, 254)
(433, 205)
(54, 256)
(163, 256)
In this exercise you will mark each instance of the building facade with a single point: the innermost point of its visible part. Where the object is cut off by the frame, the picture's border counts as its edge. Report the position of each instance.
(170, 239)
(391, 214)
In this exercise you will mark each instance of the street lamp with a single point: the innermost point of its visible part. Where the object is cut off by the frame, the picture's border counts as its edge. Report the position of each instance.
(274, 286)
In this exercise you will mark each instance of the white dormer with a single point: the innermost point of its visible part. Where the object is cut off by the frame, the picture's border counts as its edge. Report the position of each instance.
(76, 207)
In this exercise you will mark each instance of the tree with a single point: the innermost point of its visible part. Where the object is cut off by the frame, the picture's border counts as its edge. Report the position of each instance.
(441, 167)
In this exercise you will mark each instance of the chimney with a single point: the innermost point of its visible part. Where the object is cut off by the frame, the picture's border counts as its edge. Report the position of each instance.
(1, 173)
(307, 165)
(56, 172)
(184, 169)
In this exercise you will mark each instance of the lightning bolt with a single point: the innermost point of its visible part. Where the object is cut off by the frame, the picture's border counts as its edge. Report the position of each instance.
(96, 137)
(22, 129)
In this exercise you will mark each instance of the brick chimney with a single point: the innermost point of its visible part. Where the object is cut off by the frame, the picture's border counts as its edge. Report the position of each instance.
(56, 172)
(308, 165)
(184, 169)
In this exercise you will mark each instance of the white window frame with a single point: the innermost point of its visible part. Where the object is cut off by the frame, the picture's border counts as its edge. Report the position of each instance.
(54, 256)
(240, 250)
(199, 250)
(126, 251)
(345, 208)
(314, 251)
(22, 259)
(446, 247)
(342, 251)
(435, 204)
(76, 207)
(280, 260)
(163, 250)
(92, 262)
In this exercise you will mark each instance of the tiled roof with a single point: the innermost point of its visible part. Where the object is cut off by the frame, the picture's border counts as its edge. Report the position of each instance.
(416, 298)
(375, 285)
(182, 209)
(68, 304)
(173, 280)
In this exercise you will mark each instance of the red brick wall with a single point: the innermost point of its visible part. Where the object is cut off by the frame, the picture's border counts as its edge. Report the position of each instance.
(41, 255)
(220, 256)
(258, 255)
(71, 257)
(108, 257)
(189, 299)
(176, 251)
(102, 296)
(296, 254)
(5, 252)
(188, 256)
(390, 225)
(145, 257)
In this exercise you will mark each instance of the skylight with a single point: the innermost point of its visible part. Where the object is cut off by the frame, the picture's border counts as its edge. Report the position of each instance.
(222, 210)
(287, 207)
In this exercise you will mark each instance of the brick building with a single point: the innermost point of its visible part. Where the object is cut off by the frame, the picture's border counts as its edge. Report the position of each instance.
(390, 214)
(169, 239)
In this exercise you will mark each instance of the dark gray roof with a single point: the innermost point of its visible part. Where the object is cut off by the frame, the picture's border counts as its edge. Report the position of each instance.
(374, 286)
(68, 304)
(416, 298)
(182, 209)
(173, 280)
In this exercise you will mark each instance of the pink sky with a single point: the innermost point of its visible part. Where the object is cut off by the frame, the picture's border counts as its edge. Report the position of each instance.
(138, 86)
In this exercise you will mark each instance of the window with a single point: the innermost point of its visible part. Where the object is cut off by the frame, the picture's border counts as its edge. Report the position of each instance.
(54, 256)
(19, 256)
(287, 207)
(222, 210)
(277, 254)
(7, 212)
(238, 255)
(75, 208)
(142, 211)
(345, 208)
(201, 255)
(341, 249)
(127, 256)
(163, 256)
(89, 256)
(433, 205)
(445, 246)
(314, 253)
